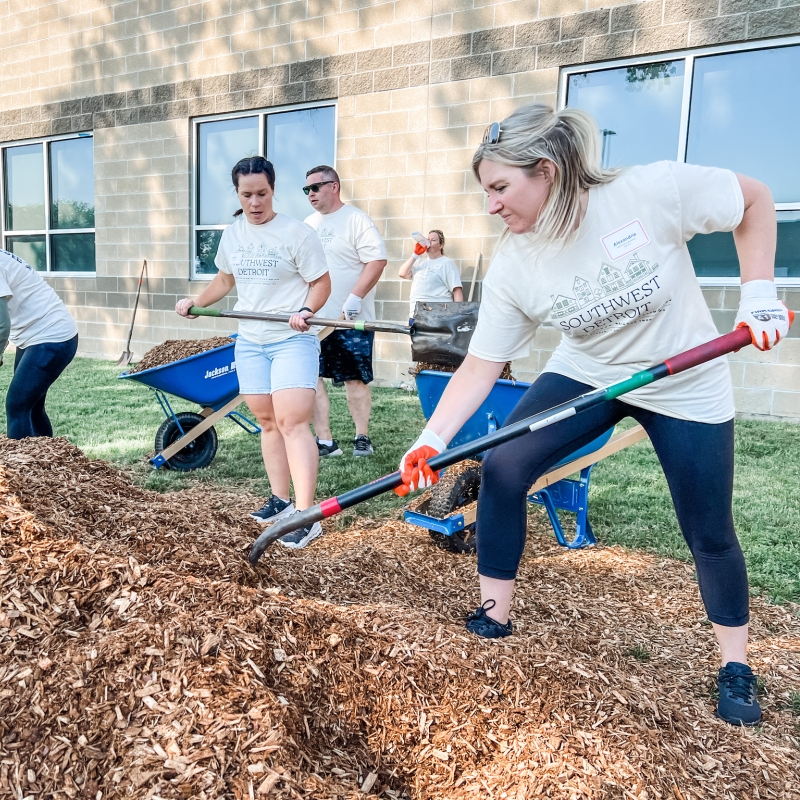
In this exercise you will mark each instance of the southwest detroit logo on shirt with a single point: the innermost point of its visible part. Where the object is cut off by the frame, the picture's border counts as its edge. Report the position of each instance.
(618, 296)
(326, 236)
(255, 265)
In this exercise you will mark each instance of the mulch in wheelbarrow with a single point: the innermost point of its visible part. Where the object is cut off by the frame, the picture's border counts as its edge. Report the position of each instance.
(142, 657)
(176, 349)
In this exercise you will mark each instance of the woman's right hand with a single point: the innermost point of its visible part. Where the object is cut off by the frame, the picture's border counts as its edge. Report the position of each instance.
(414, 467)
(182, 307)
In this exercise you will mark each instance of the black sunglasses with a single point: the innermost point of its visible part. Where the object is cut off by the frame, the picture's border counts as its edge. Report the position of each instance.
(314, 187)
(492, 134)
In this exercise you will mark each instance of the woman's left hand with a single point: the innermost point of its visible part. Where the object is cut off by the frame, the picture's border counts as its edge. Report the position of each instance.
(298, 321)
(760, 310)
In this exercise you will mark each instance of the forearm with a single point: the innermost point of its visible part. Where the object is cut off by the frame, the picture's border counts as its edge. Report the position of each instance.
(756, 235)
(319, 293)
(5, 326)
(216, 290)
(406, 270)
(467, 389)
(369, 277)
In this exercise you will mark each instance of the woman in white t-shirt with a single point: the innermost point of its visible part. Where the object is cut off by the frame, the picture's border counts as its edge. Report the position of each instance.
(278, 266)
(45, 335)
(434, 277)
(602, 255)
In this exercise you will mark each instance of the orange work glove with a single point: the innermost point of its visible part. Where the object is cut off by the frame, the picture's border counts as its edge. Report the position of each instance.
(414, 467)
(419, 249)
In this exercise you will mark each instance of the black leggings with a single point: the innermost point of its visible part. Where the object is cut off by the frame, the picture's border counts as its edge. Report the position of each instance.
(36, 369)
(697, 459)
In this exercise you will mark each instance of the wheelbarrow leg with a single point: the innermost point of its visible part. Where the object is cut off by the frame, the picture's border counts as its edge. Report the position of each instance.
(165, 455)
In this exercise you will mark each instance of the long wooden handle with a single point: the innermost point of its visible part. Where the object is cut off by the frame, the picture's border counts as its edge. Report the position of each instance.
(357, 325)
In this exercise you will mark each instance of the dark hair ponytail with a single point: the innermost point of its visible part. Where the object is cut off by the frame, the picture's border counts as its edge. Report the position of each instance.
(255, 165)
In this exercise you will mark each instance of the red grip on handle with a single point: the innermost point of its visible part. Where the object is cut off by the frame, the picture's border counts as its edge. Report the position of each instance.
(720, 346)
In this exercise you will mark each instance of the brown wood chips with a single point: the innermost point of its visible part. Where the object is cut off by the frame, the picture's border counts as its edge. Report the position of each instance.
(142, 657)
(176, 349)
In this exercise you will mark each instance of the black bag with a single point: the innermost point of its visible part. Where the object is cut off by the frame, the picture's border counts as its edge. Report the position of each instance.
(442, 331)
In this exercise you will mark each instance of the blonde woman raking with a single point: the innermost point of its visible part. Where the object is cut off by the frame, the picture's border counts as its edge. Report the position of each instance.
(602, 255)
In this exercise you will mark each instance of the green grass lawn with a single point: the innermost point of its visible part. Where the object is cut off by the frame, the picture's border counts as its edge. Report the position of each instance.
(630, 505)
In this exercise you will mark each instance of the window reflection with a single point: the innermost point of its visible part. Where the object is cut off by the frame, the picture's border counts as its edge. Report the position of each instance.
(31, 249)
(296, 142)
(72, 183)
(637, 108)
(745, 115)
(24, 173)
(222, 144)
(714, 254)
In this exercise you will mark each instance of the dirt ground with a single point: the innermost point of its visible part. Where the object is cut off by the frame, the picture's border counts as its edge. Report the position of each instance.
(142, 657)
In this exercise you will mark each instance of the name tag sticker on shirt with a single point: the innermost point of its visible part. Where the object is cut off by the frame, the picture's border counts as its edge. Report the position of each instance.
(624, 241)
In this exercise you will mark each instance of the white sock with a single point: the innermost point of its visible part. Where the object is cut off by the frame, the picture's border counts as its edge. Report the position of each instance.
(327, 442)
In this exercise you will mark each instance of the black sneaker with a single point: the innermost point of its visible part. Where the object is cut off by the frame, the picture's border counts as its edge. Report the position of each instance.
(298, 539)
(273, 510)
(329, 449)
(738, 701)
(362, 446)
(482, 625)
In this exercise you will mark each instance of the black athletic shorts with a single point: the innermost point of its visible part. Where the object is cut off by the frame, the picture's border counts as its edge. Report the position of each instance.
(346, 355)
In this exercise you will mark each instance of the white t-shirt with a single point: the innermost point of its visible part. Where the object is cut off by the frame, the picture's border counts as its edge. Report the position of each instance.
(36, 311)
(350, 241)
(433, 280)
(273, 264)
(624, 292)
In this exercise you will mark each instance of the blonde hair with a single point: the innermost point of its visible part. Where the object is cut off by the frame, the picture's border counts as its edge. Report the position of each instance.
(570, 139)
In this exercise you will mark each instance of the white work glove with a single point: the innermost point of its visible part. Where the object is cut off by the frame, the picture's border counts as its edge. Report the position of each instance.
(352, 307)
(413, 465)
(760, 310)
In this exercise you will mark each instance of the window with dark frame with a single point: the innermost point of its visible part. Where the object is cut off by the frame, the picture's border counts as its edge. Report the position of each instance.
(294, 140)
(720, 107)
(48, 209)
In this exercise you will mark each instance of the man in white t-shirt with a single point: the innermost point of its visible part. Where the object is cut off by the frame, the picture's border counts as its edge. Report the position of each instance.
(356, 256)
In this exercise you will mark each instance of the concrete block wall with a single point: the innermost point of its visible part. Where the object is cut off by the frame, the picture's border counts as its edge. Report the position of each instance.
(416, 83)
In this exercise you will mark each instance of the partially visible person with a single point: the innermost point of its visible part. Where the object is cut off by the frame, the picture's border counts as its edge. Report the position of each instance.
(39, 325)
(277, 266)
(356, 256)
(434, 277)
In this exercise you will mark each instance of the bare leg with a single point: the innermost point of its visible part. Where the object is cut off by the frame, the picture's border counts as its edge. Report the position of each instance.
(359, 401)
(732, 643)
(293, 409)
(499, 591)
(322, 412)
(273, 450)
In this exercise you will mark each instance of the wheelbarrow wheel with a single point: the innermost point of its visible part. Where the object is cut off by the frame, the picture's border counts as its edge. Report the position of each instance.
(457, 487)
(197, 454)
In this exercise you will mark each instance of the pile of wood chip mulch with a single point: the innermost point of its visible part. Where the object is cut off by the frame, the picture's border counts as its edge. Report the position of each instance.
(141, 657)
(176, 349)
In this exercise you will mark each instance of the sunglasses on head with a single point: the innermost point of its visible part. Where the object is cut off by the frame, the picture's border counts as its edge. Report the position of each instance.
(314, 187)
(492, 134)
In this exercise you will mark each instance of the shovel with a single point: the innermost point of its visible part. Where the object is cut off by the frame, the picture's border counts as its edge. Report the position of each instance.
(672, 366)
(440, 333)
(126, 356)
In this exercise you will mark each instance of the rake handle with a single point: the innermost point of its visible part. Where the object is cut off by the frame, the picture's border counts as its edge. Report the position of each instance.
(720, 346)
(358, 325)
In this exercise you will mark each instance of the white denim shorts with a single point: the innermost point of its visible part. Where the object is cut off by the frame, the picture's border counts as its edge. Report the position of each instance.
(266, 368)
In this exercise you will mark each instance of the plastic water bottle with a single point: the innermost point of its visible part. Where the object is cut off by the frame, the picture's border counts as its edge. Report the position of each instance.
(420, 239)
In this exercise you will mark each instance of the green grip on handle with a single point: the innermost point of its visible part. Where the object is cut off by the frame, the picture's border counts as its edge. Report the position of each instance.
(205, 312)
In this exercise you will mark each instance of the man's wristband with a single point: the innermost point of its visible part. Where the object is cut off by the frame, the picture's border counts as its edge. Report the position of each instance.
(306, 308)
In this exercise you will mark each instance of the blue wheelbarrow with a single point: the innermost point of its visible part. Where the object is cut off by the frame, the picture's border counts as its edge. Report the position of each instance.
(187, 440)
(448, 511)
